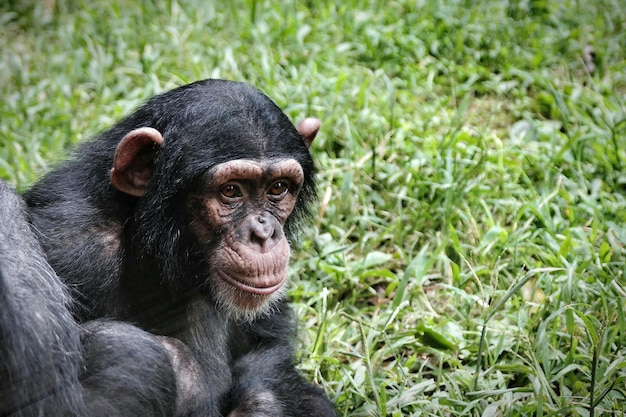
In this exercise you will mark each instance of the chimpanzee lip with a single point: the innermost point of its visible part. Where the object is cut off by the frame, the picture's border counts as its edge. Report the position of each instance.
(250, 285)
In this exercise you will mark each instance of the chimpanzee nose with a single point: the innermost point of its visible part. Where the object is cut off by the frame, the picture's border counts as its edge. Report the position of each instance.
(265, 232)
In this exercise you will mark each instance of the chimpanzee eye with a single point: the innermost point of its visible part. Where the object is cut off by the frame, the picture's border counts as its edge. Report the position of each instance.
(231, 191)
(278, 188)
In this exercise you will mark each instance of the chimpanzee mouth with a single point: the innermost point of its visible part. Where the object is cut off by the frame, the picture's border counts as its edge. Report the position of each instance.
(260, 287)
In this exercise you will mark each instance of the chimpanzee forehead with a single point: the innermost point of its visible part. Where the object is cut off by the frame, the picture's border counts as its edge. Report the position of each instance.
(247, 169)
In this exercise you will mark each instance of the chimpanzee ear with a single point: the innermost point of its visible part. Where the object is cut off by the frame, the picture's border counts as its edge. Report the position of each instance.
(132, 165)
(308, 128)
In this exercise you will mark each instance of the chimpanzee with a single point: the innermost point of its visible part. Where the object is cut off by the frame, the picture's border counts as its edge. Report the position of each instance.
(169, 234)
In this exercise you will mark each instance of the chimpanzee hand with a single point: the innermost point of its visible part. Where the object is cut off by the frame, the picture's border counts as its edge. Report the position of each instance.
(266, 385)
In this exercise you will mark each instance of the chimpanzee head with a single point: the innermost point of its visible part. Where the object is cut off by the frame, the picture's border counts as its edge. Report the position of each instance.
(222, 179)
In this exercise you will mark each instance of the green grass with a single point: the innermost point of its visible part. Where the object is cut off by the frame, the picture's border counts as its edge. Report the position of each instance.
(469, 254)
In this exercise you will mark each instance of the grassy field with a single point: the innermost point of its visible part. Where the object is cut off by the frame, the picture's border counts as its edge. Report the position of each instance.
(469, 255)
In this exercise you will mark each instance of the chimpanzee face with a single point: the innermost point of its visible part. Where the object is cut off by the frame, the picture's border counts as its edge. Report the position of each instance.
(239, 214)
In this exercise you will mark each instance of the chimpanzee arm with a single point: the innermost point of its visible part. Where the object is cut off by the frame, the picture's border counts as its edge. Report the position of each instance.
(191, 388)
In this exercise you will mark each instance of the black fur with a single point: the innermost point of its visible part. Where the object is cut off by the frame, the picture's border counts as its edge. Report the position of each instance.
(39, 340)
(135, 260)
(52, 366)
